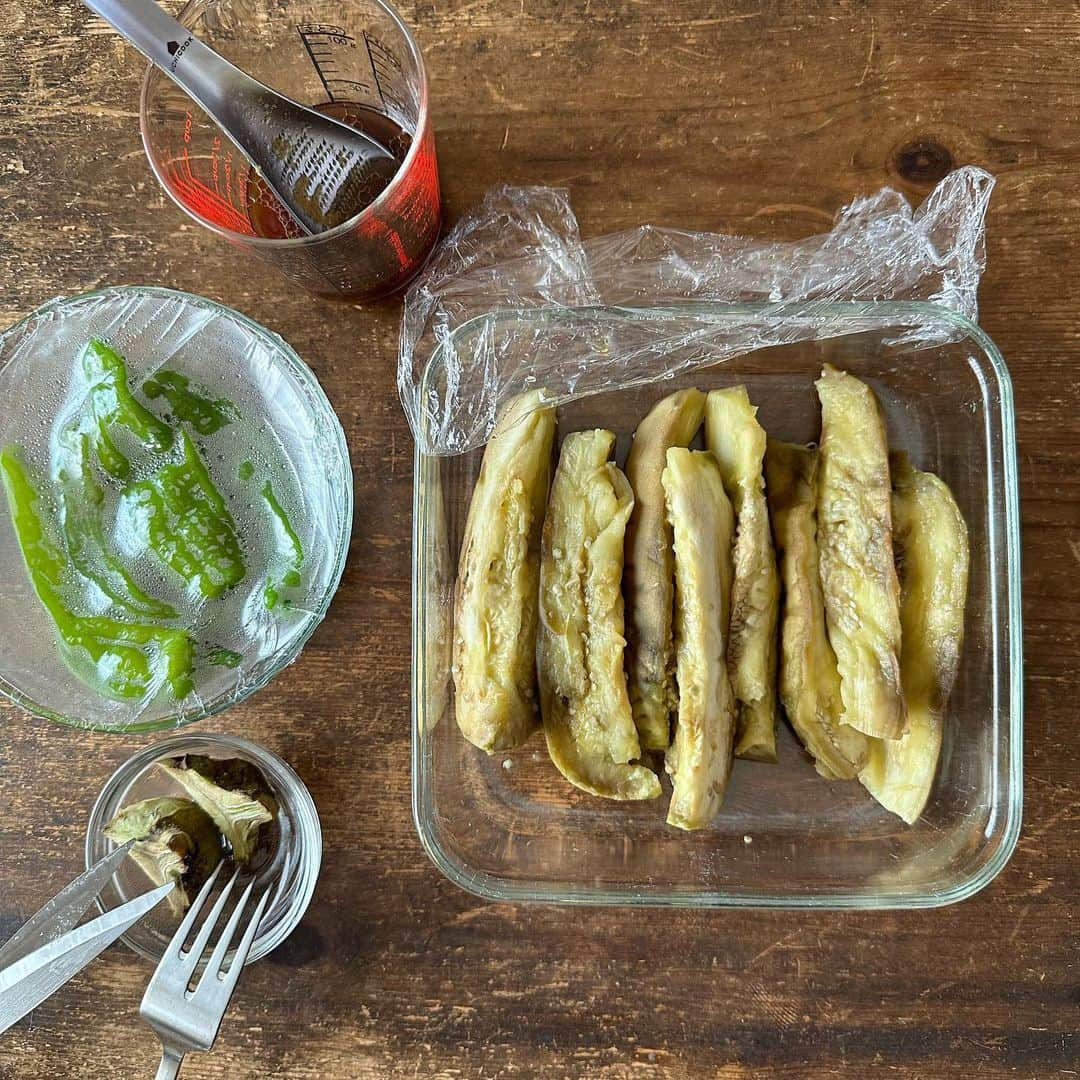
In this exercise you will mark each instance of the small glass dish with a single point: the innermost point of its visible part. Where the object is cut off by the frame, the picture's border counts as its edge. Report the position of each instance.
(280, 430)
(510, 828)
(298, 849)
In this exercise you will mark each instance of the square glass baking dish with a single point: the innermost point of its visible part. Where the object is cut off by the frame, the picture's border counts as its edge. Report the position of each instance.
(509, 827)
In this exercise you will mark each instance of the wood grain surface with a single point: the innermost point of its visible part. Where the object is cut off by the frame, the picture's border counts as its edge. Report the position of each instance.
(755, 116)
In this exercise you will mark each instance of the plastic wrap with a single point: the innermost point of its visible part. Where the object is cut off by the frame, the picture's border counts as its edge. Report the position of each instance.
(514, 298)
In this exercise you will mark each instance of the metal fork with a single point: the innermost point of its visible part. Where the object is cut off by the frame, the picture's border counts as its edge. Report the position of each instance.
(185, 1020)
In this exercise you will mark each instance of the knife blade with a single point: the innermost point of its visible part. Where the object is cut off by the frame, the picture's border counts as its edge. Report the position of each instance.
(30, 980)
(63, 911)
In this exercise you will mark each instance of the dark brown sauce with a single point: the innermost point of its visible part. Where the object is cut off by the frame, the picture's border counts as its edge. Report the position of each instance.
(272, 220)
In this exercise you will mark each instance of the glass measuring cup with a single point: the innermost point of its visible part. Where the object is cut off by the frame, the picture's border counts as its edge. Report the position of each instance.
(353, 59)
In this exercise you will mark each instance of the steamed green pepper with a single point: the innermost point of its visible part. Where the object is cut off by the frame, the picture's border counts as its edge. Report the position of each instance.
(83, 501)
(206, 415)
(114, 405)
(290, 546)
(122, 660)
(186, 523)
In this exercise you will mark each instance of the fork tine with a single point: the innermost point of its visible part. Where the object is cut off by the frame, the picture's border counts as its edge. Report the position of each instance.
(190, 959)
(192, 915)
(228, 983)
(217, 957)
(174, 963)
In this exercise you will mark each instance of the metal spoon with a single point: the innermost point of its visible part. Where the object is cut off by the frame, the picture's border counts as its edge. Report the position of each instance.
(322, 170)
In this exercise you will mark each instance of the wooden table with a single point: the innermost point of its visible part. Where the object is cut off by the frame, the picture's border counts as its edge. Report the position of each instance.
(729, 116)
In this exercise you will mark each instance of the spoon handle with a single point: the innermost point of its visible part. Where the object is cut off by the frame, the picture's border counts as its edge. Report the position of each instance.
(204, 74)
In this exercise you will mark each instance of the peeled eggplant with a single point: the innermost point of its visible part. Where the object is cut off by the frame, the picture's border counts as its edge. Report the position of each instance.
(737, 440)
(809, 683)
(650, 565)
(498, 578)
(176, 840)
(932, 549)
(858, 577)
(699, 758)
(588, 722)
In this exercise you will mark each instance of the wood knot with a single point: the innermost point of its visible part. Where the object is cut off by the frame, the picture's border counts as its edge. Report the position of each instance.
(923, 161)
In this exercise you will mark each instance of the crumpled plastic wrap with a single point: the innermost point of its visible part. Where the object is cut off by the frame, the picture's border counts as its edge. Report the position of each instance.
(514, 298)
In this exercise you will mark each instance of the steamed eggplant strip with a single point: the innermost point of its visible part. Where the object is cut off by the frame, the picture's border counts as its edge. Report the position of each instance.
(858, 577)
(737, 440)
(809, 683)
(496, 605)
(699, 758)
(588, 722)
(932, 549)
(674, 421)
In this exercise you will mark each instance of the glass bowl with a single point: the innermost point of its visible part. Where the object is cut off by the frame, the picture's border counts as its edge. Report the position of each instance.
(283, 430)
(509, 827)
(299, 849)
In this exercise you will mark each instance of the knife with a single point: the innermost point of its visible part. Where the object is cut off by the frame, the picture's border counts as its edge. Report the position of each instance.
(38, 962)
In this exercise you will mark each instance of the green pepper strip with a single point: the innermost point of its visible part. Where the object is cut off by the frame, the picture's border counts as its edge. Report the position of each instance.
(83, 504)
(223, 657)
(188, 525)
(114, 404)
(289, 533)
(206, 415)
(295, 556)
(121, 668)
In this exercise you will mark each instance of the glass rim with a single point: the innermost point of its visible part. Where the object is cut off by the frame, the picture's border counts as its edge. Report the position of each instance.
(270, 244)
(308, 380)
(491, 886)
(279, 769)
